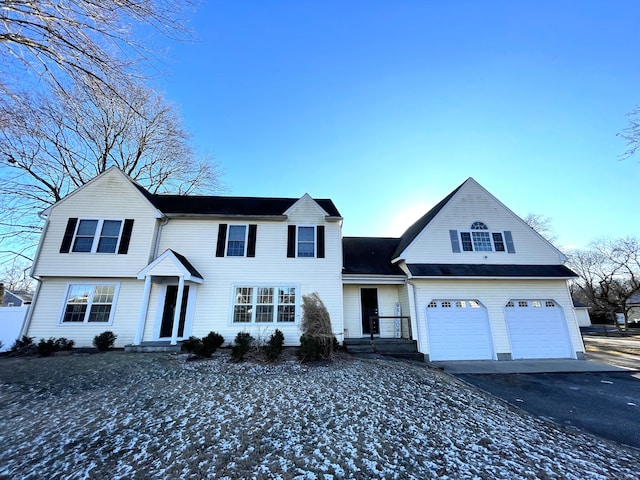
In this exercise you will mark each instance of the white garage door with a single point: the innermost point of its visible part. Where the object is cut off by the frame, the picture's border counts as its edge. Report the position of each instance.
(458, 330)
(537, 329)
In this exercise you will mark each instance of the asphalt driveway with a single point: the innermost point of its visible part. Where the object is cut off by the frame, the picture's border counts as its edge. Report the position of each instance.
(597, 395)
(603, 403)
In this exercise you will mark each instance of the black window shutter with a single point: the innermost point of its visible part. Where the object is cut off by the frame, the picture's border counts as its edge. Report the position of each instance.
(291, 241)
(251, 248)
(508, 239)
(126, 236)
(455, 243)
(222, 238)
(320, 241)
(68, 235)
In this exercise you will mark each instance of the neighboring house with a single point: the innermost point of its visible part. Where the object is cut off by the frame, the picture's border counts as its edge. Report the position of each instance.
(634, 312)
(16, 298)
(469, 280)
(582, 313)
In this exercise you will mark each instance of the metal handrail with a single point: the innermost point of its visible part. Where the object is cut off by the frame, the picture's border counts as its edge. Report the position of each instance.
(401, 317)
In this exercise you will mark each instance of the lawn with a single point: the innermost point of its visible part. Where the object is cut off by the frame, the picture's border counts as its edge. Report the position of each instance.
(118, 415)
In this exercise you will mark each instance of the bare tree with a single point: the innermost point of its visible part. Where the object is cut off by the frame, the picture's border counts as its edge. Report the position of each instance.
(16, 276)
(609, 273)
(542, 225)
(55, 144)
(66, 42)
(632, 133)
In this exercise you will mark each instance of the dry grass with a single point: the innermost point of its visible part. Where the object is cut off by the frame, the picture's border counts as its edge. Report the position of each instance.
(119, 415)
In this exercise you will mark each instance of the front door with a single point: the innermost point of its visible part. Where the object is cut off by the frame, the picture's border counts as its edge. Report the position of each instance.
(170, 301)
(369, 304)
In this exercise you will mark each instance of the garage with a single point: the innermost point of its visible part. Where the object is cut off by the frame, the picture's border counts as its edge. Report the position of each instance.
(537, 329)
(458, 330)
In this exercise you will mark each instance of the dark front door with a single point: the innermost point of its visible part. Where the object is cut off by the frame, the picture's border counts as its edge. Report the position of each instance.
(170, 301)
(369, 303)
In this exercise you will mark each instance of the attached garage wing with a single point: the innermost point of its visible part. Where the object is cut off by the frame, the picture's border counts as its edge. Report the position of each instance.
(459, 330)
(537, 329)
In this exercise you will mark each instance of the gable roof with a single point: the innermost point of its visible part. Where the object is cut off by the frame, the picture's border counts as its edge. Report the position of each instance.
(232, 206)
(414, 230)
(178, 260)
(369, 255)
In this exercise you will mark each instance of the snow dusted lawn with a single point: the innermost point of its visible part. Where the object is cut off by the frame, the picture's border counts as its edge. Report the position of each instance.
(120, 415)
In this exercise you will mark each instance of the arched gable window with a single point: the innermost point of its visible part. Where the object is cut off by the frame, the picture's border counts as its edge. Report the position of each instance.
(479, 239)
(478, 226)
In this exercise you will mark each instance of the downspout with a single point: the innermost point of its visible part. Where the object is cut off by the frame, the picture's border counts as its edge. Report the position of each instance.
(34, 300)
(414, 316)
(156, 245)
(27, 320)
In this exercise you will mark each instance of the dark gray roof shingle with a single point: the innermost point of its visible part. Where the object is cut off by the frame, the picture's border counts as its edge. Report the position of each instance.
(473, 270)
(232, 206)
(369, 255)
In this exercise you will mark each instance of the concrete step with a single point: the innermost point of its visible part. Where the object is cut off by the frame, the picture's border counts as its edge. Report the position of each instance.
(152, 347)
(395, 347)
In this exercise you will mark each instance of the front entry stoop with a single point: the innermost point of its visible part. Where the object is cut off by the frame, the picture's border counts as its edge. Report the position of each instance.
(153, 347)
(390, 347)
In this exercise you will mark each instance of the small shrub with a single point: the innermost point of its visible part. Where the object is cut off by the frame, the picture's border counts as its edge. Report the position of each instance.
(64, 344)
(192, 345)
(275, 345)
(46, 348)
(241, 346)
(204, 347)
(212, 342)
(104, 341)
(309, 349)
(22, 343)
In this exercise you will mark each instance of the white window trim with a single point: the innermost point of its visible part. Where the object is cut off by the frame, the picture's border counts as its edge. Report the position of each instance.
(254, 300)
(246, 239)
(493, 245)
(97, 235)
(315, 240)
(114, 303)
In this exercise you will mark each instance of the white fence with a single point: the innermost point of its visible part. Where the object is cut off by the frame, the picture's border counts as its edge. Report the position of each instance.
(11, 321)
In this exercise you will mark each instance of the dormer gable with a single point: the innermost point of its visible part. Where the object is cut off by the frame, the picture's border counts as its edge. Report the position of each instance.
(306, 209)
(472, 226)
(112, 179)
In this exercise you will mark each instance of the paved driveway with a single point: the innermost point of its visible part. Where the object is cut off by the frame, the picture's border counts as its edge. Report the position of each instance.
(596, 395)
(604, 403)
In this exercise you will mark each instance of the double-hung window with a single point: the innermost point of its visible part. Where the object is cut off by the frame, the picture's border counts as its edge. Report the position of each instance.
(89, 303)
(306, 241)
(97, 236)
(264, 305)
(236, 240)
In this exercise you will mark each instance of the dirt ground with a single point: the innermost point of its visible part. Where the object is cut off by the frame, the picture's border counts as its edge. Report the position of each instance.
(621, 351)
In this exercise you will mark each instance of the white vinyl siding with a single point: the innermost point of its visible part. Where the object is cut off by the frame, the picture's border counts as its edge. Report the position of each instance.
(470, 204)
(494, 295)
(48, 310)
(388, 298)
(213, 309)
(107, 198)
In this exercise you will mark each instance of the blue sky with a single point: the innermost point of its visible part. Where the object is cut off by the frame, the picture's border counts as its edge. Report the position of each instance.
(385, 107)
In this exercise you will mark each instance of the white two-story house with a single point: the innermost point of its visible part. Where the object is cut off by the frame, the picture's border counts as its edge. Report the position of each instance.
(469, 280)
